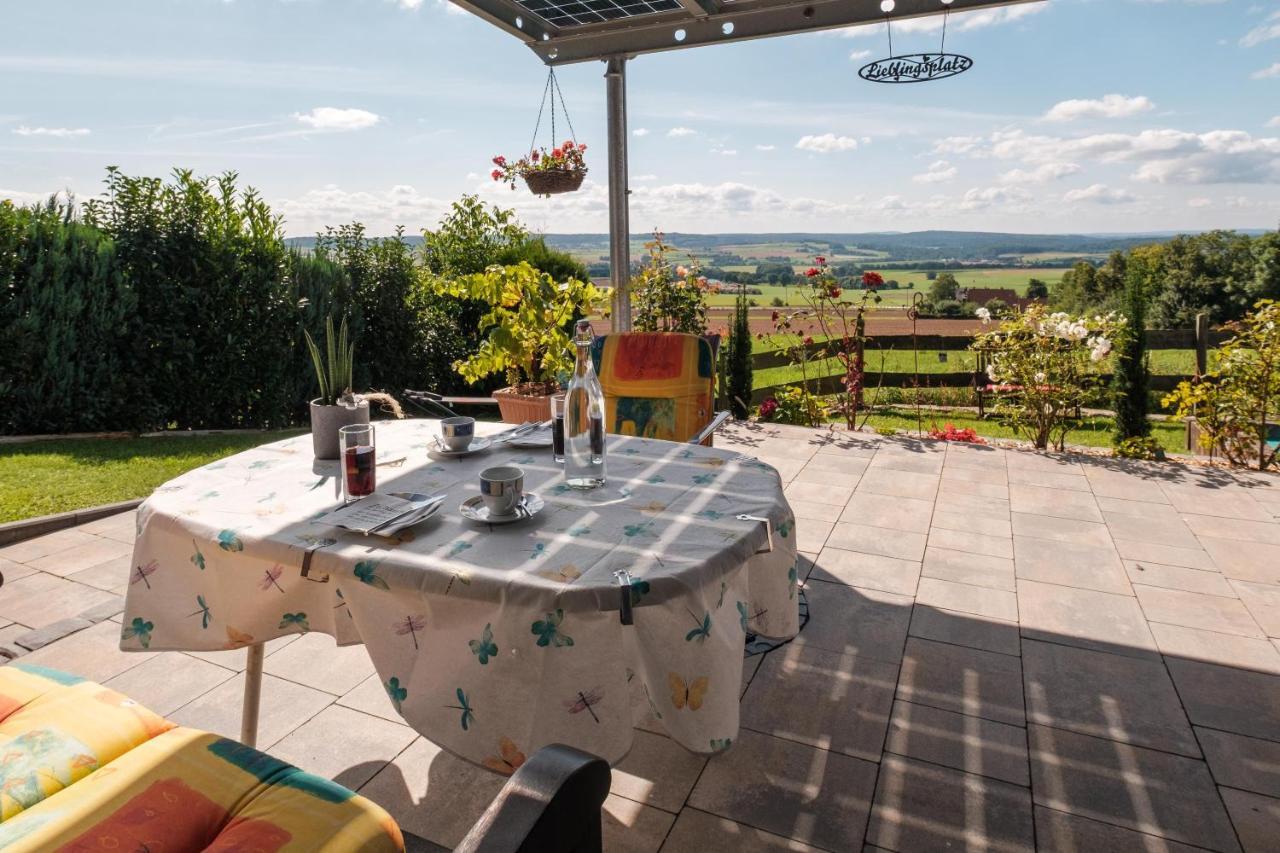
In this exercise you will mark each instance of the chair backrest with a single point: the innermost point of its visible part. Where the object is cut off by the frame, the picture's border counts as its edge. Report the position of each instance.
(656, 384)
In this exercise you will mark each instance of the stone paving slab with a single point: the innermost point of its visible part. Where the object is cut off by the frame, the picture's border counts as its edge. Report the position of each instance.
(1007, 651)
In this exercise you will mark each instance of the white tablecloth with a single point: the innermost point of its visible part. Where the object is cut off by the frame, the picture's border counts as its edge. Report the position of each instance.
(489, 640)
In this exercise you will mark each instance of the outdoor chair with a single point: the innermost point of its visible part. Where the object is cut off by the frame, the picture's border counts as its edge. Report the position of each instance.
(86, 768)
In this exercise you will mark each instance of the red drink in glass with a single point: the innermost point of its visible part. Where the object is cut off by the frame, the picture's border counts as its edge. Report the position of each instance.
(358, 464)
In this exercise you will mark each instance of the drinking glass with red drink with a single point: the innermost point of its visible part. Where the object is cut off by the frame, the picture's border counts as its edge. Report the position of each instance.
(359, 468)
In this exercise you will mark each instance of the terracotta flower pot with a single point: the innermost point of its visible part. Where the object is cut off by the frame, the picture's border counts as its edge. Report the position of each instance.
(516, 408)
(327, 420)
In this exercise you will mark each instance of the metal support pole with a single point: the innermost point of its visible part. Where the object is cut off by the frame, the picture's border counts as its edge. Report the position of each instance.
(615, 77)
(252, 695)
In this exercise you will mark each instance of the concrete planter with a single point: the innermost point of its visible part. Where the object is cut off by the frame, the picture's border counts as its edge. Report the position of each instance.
(327, 420)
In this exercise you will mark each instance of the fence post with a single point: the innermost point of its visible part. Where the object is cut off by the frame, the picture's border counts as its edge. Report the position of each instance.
(1202, 344)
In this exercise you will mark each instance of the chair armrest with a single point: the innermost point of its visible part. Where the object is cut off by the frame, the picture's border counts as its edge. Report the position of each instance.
(552, 802)
(716, 423)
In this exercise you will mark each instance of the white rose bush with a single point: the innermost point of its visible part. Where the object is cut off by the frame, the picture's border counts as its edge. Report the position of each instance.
(1042, 367)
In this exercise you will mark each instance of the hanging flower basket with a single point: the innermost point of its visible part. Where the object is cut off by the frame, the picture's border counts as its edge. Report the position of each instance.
(554, 181)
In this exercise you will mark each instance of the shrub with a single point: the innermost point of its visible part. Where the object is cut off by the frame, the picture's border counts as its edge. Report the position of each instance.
(951, 433)
(666, 297)
(795, 405)
(1139, 447)
(1235, 402)
(1043, 367)
(738, 357)
(1131, 379)
(777, 302)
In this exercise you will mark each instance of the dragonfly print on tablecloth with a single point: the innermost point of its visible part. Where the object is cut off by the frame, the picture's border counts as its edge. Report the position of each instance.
(701, 630)
(464, 705)
(410, 625)
(585, 700)
(271, 577)
(197, 559)
(203, 612)
(143, 572)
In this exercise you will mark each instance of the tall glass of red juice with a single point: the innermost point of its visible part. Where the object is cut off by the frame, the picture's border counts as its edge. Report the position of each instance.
(359, 453)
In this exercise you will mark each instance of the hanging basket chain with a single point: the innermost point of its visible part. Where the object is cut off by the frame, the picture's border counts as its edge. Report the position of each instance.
(550, 93)
(942, 48)
(542, 106)
(556, 82)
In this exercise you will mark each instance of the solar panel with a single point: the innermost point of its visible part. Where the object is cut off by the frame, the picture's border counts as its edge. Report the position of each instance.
(571, 13)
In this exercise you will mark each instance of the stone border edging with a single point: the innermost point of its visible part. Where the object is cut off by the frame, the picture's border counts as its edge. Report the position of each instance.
(29, 528)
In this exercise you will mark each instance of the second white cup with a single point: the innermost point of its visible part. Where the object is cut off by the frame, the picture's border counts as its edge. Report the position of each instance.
(502, 488)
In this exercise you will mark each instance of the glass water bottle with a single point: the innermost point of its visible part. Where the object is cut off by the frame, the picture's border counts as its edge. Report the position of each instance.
(584, 418)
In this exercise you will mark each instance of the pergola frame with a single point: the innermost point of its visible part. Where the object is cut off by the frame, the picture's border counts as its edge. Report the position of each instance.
(628, 28)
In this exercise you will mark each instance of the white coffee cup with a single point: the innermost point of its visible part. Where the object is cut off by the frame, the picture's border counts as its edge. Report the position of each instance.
(456, 433)
(502, 488)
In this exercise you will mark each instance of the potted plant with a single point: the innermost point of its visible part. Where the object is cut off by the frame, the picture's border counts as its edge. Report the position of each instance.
(337, 406)
(529, 326)
(546, 173)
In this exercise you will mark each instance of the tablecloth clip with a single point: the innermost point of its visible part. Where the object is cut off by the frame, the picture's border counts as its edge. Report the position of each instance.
(768, 531)
(306, 566)
(624, 583)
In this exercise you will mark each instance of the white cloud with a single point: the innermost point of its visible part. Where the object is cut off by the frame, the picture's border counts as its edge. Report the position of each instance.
(1039, 175)
(335, 118)
(677, 132)
(961, 21)
(1109, 106)
(1272, 70)
(859, 54)
(642, 178)
(724, 152)
(59, 132)
(939, 172)
(640, 131)
(409, 4)
(1266, 31)
(827, 143)
(766, 147)
(1006, 197)
(1275, 122)
(1100, 194)
(1199, 201)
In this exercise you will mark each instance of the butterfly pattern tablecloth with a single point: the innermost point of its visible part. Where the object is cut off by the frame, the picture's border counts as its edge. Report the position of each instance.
(489, 640)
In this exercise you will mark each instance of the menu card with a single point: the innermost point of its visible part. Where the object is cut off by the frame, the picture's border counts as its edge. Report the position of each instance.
(382, 514)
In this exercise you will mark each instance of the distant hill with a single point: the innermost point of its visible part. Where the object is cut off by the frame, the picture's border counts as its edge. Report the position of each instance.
(913, 245)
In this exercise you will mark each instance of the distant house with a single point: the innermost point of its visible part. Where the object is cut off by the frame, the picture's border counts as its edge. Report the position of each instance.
(983, 295)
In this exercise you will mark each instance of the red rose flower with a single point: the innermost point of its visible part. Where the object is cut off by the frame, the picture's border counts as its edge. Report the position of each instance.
(872, 279)
(808, 340)
(835, 293)
(775, 316)
(556, 153)
(813, 272)
(768, 407)
(568, 145)
(820, 259)
(497, 174)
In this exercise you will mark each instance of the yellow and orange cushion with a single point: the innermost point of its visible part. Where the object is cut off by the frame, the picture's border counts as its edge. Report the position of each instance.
(172, 789)
(656, 384)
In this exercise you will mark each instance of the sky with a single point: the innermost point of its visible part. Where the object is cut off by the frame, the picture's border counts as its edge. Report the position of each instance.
(1079, 116)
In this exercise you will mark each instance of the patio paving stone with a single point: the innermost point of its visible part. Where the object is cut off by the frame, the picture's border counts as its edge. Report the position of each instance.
(823, 493)
(113, 575)
(1212, 647)
(370, 697)
(1047, 479)
(42, 599)
(630, 827)
(889, 574)
(796, 791)
(1085, 618)
(815, 511)
(972, 744)
(965, 629)
(1160, 529)
(1194, 610)
(1127, 487)
(80, 557)
(849, 462)
(965, 494)
(812, 535)
(11, 571)
(974, 520)
(1060, 503)
(1263, 602)
(867, 622)
(168, 681)
(93, 653)
(963, 680)
(1227, 698)
(698, 832)
(1242, 762)
(344, 745)
(657, 772)
(1234, 528)
(877, 540)
(315, 660)
(898, 514)
(834, 701)
(1060, 529)
(973, 543)
(1245, 561)
(921, 806)
(1257, 819)
(1146, 790)
(51, 543)
(1070, 564)
(970, 472)
(974, 569)
(1215, 500)
(978, 600)
(1176, 577)
(1190, 558)
(918, 463)
(1059, 832)
(284, 707)
(1140, 509)
(1105, 695)
(899, 484)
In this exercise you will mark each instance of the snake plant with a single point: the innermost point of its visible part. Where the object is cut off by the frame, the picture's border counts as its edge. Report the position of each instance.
(334, 368)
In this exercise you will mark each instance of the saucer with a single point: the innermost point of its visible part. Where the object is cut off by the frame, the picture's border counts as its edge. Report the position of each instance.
(475, 509)
(478, 443)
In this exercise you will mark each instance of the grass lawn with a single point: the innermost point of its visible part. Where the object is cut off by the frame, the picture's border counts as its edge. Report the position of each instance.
(1091, 432)
(1014, 278)
(43, 477)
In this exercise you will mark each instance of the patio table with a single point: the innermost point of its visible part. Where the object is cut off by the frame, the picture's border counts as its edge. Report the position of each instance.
(489, 640)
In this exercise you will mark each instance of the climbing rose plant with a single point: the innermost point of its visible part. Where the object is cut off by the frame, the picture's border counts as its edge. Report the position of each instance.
(1235, 402)
(667, 297)
(1042, 366)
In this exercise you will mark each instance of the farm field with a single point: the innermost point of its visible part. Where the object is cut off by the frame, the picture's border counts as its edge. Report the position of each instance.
(909, 281)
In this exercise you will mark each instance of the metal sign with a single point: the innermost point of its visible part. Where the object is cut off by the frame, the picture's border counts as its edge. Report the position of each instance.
(915, 68)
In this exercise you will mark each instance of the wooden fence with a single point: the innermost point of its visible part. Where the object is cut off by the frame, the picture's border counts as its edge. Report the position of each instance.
(1201, 339)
